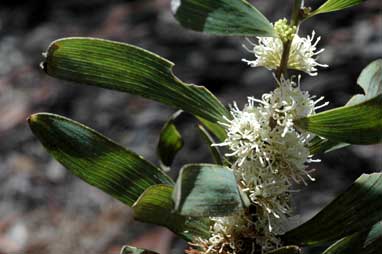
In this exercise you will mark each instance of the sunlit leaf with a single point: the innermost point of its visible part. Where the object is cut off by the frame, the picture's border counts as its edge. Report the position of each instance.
(357, 124)
(131, 69)
(335, 5)
(222, 17)
(96, 159)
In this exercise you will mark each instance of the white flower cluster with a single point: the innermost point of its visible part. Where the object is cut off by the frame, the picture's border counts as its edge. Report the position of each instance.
(303, 53)
(269, 155)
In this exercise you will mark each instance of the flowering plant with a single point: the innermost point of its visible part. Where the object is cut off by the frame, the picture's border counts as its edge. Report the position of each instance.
(242, 203)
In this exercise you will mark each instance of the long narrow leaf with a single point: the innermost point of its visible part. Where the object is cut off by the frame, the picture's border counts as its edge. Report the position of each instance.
(222, 17)
(131, 69)
(353, 211)
(367, 241)
(335, 5)
(96, 159)
(358, 124)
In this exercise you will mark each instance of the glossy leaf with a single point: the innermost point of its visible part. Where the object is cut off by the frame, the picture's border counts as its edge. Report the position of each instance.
(96, 159)
(155, 206)
(367, 241)
(170, 141)
(209, 141)
(357, 124)
(222, 17)
(335, 5)
(133, 250)
(206, 190)
(131, 69)
(353, 211)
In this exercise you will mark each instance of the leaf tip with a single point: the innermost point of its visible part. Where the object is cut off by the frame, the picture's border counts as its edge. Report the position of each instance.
(32, 119)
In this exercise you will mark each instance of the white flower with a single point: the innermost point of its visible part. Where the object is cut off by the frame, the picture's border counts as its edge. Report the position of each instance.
(303, 53)
(268, 156)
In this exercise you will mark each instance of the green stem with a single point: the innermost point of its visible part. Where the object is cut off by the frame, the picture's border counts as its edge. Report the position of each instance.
(295, 21)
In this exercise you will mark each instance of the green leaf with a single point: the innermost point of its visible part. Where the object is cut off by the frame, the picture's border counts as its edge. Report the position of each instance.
(370, 80)
(367, 241)
(354, 210)
(222, 17)
(286, 250)
(155, 206)
(127, 68)
(357, 124)
(133, 250)
(206, 190)
(214, 128)
(170, 141)
(322, 145)
(209, 141)
(96, 159)
(335, 5)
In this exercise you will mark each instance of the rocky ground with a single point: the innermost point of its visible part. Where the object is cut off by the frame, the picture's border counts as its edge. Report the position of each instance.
(46, 210)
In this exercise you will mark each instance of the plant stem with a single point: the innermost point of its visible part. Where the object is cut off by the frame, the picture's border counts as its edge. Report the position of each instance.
(295, 21)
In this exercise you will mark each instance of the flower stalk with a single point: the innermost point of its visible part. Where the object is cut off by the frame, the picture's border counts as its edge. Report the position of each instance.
(295, 21)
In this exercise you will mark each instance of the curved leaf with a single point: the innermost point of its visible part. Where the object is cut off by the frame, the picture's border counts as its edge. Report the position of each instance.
(216, 155)
(96, 159)
(214, 128)
(357, 124)
(370, 80)
(335, 5)
(131, 69)
(170, 141)
(222, 17)
(155, 206)
(353, 211)
(206, 190)
(366, 242)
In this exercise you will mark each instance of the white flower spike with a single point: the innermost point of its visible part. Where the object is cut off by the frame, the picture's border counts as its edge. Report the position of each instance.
(303, 52)
(268, 156)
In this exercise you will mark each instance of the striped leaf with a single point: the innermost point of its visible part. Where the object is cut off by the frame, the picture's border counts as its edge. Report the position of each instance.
(96, 159)
(222, 17)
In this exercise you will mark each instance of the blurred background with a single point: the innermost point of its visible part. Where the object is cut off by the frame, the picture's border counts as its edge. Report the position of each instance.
(46, 210)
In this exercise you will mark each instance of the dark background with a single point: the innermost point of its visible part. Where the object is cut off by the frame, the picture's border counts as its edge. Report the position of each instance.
(46, 210)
